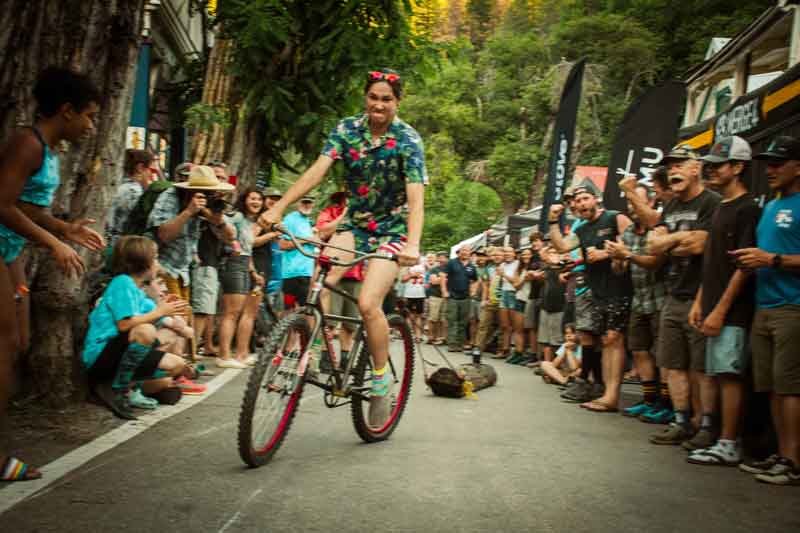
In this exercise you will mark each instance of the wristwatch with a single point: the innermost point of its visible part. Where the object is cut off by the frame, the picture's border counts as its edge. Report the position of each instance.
(777, 260)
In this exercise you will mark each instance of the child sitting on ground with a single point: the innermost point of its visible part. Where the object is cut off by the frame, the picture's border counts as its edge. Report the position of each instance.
(121, 344)
(567, 363)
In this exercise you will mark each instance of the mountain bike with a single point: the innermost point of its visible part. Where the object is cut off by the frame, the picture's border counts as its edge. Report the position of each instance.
(276, 383)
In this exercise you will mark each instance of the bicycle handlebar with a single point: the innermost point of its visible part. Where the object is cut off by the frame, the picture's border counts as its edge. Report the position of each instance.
(360, 256)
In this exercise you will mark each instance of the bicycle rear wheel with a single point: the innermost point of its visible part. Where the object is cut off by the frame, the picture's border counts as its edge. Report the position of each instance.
(273, 392)
(401, 367)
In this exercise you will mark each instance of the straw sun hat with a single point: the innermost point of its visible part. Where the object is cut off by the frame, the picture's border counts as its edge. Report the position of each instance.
(202, 178)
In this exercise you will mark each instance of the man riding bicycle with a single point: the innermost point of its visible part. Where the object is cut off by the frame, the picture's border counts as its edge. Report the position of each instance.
(385, 174)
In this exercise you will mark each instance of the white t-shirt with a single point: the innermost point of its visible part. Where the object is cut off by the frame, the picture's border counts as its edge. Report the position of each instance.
(415, 287)
(509, 269)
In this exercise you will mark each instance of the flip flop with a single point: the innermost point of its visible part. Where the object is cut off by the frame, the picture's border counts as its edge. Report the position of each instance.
(15, 470)
(599, 407)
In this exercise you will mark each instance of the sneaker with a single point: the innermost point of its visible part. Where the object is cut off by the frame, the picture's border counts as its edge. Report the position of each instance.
(380, 401)
(637, 410)
(597, 391)
(657, 415)
(576, 389)
(672, 435)
(231, 363)
(783, 472)
(515, 358)
(476, 352)
(140, 401)
(759, 467)
(189, 387)
(117, 401)
(704, 438)
(720, 454)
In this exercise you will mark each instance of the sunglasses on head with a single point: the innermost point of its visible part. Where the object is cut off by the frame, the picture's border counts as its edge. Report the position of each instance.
(378, 75)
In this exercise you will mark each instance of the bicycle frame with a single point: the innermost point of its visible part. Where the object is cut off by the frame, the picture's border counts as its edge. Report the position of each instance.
(313, 308)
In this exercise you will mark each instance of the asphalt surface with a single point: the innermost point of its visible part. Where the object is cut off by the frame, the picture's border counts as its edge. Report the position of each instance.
(515, 459)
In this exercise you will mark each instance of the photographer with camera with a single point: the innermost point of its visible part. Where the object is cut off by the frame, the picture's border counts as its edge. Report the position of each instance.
(177, 220)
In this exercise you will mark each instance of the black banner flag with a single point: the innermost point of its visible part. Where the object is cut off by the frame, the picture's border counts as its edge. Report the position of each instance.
(648, 130)
(563, 136)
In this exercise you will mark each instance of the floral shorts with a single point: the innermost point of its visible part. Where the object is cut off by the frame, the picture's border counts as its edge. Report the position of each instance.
(368, 242)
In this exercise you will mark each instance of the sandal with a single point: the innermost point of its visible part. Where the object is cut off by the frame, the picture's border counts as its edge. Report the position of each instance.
(599, 407)
(15, 470)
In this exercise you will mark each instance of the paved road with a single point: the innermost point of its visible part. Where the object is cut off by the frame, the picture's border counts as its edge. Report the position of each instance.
(517, 459)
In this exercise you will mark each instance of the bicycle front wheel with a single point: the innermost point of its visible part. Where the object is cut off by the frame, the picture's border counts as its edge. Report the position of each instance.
(401, 369)
(273, 392)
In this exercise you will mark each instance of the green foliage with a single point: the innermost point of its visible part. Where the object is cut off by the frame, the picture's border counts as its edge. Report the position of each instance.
(203, 117)
(302, 65)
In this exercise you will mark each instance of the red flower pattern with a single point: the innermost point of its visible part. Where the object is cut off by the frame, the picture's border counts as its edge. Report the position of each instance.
(354, 154)
(363, 191)
(372, 225)
(391, 144)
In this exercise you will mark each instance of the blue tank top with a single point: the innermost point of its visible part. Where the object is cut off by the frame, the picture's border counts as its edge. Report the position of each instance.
(39, 190)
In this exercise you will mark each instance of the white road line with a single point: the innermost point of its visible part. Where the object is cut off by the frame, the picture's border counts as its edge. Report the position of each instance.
(52, 472)
(235, 517)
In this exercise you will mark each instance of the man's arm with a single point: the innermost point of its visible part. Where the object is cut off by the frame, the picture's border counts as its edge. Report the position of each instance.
(648, 216)
(753, 258)
(562, 243)
(683, 243)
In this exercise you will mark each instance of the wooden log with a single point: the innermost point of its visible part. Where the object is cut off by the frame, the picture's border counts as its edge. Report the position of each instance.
(450, 384)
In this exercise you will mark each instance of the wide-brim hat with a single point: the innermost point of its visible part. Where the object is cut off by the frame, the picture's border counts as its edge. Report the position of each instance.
(680, 152)
(203, 178)
(310, 197)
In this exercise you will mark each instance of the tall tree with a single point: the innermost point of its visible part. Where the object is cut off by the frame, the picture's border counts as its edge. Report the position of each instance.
(298, 66)
(101, 38)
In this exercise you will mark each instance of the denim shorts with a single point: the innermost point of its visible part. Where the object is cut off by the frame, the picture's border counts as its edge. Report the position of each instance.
(509, 300)
(729, 353)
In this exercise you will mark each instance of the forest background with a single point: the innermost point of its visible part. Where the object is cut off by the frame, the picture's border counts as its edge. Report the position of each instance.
(483, 81)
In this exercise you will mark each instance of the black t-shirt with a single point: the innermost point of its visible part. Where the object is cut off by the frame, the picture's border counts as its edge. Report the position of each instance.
(685, 273)
(536, 286)
(602, 280)
(553, 292)
(733, 226)
(209, 248)
(459, 276)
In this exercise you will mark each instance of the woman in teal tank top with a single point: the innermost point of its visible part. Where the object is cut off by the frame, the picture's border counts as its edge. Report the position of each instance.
(29, 176)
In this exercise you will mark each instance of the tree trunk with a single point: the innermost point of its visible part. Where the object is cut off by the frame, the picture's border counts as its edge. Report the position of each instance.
(101, 38)
(210, 145)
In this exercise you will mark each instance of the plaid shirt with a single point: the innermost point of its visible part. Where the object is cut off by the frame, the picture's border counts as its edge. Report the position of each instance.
(175, 256)
(125, 198)
(648, 288)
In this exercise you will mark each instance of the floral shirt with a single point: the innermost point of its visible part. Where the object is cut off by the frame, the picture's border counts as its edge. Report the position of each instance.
(376, 176)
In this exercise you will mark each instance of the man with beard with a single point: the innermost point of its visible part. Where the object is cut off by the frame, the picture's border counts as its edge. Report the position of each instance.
(681, 236)
(723, 307)
(610, 286)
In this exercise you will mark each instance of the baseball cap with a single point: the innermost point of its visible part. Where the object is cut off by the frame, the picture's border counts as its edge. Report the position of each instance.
(581, 189)
(272, 191)
(309, 198)
(183, 170)
(781, 147)
(680, 152)
(729, 148)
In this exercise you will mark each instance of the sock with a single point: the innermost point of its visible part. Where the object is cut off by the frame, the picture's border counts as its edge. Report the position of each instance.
(380, 382)
(587, 362)
(682, 417)
(128, 364)
(666, 400)
(707, 421)
(650, 392)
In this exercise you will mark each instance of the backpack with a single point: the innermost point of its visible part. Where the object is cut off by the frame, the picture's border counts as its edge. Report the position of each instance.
(137, 219)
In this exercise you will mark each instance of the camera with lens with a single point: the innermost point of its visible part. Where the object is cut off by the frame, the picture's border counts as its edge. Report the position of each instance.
(215, 204)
